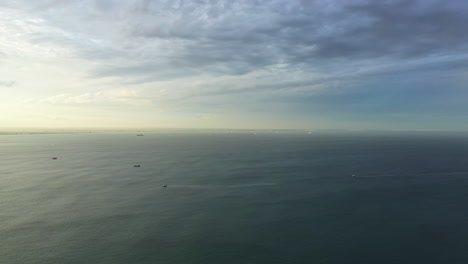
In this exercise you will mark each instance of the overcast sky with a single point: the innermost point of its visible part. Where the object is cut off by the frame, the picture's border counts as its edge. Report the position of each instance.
(349, 64)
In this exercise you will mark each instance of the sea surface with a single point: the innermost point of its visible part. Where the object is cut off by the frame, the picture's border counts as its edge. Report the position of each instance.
(233, 198)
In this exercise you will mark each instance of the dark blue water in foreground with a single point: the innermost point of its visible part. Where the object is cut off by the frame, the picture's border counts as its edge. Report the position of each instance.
(233, 198)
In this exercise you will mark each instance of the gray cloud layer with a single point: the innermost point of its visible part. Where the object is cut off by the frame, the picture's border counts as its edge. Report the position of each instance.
(7, 83)
(159, 40)
(185, 53)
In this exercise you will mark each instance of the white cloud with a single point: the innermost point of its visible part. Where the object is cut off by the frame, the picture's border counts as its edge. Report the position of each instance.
(96, 98)
(7, 83)
(208, 116)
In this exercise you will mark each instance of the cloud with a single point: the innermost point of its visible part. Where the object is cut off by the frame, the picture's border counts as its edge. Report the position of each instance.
(120, 97)
(201, 55)
(243, 36)
(67, 99)
(163, 40)
(402, 28)
(47, 117)
(7, 83)
(208, 116)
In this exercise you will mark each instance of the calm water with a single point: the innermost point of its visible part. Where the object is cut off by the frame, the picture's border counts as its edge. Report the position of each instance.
(233, 198)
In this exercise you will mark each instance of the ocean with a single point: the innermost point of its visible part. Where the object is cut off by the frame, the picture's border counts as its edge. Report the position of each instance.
(233, 198)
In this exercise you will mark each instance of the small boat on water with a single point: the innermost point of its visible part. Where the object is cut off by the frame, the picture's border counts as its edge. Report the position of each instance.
(164, 185)
(54, 158)
(140, 135)
(136, 166)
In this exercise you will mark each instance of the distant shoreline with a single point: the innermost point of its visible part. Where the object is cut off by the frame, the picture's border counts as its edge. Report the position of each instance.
(141, 131)
(228, 131)
(64, 132)
(12, 133)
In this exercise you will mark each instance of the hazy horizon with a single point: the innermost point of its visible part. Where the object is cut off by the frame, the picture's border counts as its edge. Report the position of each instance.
(221, 130)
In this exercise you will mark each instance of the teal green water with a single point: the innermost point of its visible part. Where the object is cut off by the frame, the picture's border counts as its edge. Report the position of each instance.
(233, 198)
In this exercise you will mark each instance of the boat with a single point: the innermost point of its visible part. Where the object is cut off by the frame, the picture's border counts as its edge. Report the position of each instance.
(140, 135)
(136, 166)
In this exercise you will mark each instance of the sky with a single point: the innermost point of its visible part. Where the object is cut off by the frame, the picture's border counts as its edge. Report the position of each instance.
(319, 64)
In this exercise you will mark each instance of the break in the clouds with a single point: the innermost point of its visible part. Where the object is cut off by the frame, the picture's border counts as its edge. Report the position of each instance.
(399, 64)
